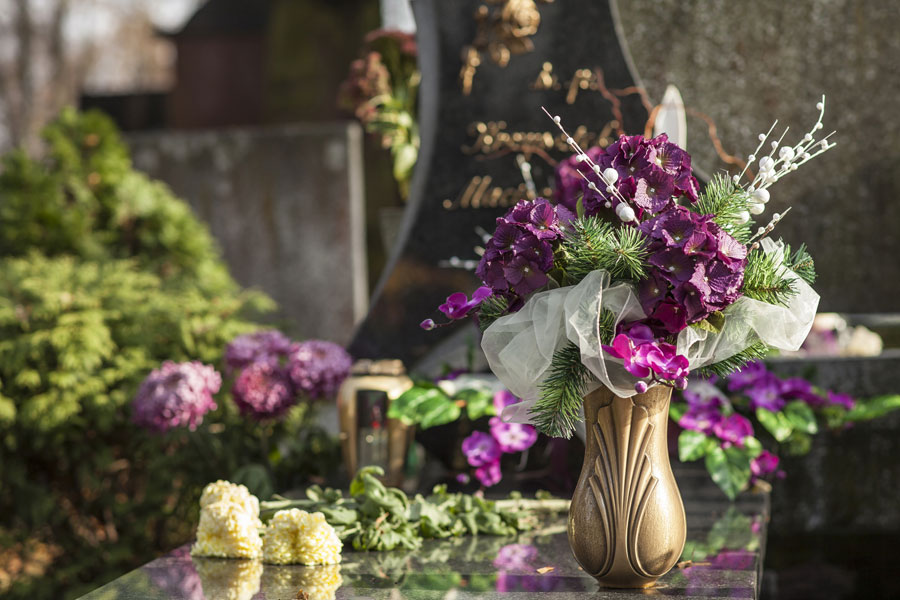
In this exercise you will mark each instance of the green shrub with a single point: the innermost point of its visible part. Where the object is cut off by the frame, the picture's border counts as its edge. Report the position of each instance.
(104, 274)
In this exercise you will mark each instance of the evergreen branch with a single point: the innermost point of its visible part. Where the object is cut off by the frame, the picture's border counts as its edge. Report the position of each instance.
(559, 407)
(607, 326)
(492, 309)
(757, 351)
(726, 201)
(594, 244)
(765, 279)
(801, 263)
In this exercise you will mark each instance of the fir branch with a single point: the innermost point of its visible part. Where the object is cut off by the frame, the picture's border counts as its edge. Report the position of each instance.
(801, 263)
(765, 279)
(559, 407)
(757, 351)
(726, 201)
(492, 309)
(607, 326)
(594, 244)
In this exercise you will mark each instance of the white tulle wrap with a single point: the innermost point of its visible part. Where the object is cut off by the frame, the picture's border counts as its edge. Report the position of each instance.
(520, 346)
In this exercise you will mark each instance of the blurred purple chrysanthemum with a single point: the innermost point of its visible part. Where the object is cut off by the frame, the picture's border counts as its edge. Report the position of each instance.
(263, 391)
(176, 395)
(262, 346)
(318, 368)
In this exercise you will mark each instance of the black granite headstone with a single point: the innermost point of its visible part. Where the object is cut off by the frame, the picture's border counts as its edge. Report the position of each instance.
(487, 68)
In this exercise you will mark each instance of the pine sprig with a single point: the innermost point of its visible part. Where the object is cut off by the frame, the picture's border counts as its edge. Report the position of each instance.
(757, 351)
(801, 263)
(726, 200)
(490, 310)
(766, 280)
(594, 244)
(559, 407)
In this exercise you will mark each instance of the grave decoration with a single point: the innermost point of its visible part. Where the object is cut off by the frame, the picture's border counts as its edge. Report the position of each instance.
(605, 299)
(313, 530)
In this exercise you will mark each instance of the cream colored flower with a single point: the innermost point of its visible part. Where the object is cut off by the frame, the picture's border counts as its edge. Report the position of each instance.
(230, 492)
(320, 582)
(229, 580)
(226, 529)
(297, 537)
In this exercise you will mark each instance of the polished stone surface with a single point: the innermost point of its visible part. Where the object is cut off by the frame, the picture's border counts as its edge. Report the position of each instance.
(725, 543)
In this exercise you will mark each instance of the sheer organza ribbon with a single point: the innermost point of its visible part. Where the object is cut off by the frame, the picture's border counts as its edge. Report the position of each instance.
(520, 346)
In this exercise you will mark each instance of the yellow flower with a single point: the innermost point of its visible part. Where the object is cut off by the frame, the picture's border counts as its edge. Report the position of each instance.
(226, 529)
(230, 492)
(229, 580)
(296, 537)
(320, 582)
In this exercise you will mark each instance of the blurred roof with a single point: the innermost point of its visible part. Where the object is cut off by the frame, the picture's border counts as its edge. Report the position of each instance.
(218, 17)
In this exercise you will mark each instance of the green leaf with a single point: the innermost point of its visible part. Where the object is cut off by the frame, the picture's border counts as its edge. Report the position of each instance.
(775, 423)
(752, 446)
(873, 408)
(437, 410)
(693, 445)
(413, 405)
(801, 417)
(729, 469)
(579, 207)
(706, 325)
(479, 403)
(677, 410)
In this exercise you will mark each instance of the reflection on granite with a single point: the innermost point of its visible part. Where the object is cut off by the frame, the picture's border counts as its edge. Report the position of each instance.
(724, 553)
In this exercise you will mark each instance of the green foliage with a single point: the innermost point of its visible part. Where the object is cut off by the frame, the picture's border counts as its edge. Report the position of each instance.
(873, 408)
(490, 310)
(726, 200)
(103, 275)
(595, 244)
(756, 351)
(376, 517)
(427, 405)
(730, 468)
(732, 531)
(801, 263)
(766, 280)
(559, 407)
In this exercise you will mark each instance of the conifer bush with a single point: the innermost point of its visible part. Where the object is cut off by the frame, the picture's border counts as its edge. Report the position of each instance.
(104, 274)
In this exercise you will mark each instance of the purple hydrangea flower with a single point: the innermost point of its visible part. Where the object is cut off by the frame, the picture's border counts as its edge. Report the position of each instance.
(489, 474)
(176, 395)
(519, 255)
(696, 268)
(733, 429)
(481, 449)
(318, 368)
(266, 346)
(263, 391)
(512, 437)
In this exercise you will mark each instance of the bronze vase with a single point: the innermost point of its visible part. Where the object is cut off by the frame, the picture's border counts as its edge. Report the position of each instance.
(626, 522)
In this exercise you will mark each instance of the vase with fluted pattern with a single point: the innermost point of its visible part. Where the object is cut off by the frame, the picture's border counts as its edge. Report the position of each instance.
(626, 522)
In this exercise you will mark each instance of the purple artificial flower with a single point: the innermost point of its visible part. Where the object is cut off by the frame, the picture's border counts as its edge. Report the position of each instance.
(489, 474)
(637, 332)
(524, 276)
(463, 478)
(502, 399)
(797, 388)
(733, 429)
(766, 392)
(176, 395)
(747, 376)
(459, 306)
(263, 391)
(513, 437)
(701, 418)
(427, 324)
(481, 449)
(622, 347)
(318, 368)
(841, 400)
(261, 346)
(654, 191)
(764, 464)
(665, 361)
(652, 291)
(516, 557)
(671, 315)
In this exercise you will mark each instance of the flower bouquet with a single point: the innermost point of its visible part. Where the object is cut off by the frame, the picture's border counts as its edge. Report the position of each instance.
(601, 302)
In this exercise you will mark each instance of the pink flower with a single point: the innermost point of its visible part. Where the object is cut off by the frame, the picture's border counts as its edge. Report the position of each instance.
(502, 399)
(512, 437)
(176, 395)
(733, 430)
(764, 464)
(489, 474)
(481, 449)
